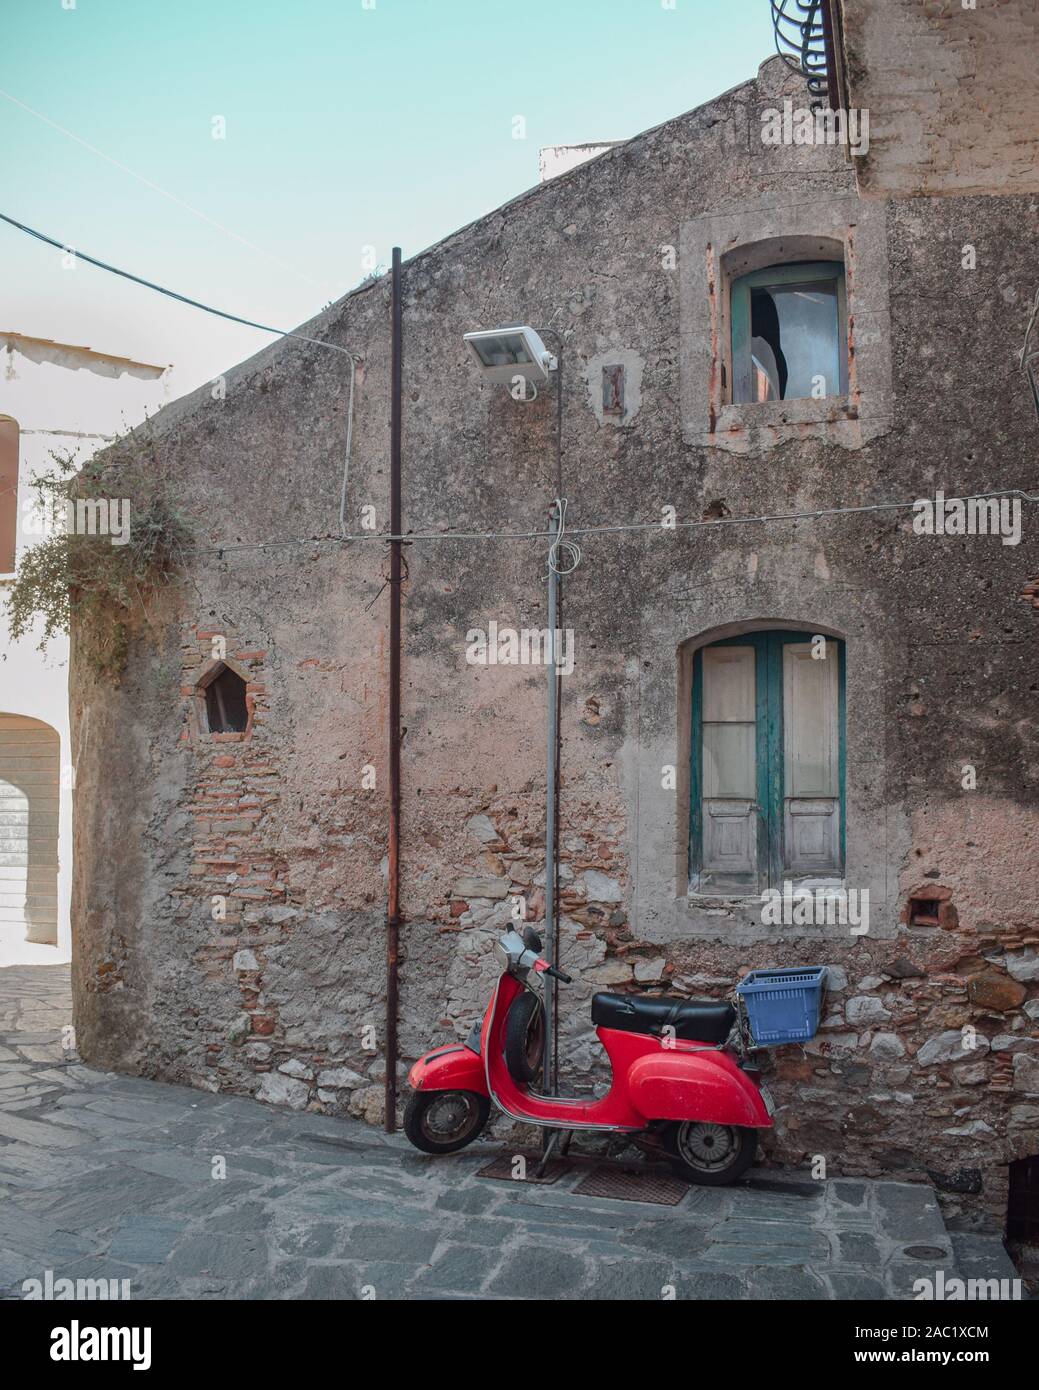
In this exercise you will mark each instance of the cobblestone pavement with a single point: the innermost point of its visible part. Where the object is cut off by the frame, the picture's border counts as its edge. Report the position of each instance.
(112, 1177)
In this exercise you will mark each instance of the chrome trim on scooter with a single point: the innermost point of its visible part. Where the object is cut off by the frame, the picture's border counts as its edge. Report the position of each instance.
(442, 1052)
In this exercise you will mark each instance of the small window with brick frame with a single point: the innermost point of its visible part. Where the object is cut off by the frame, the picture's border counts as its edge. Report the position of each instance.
(226, 708)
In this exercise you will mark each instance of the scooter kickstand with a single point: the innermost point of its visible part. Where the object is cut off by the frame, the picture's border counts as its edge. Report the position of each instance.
(539, 1171)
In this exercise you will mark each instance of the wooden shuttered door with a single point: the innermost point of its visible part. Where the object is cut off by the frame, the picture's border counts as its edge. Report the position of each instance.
(730, 801)
(29, 797)
(811, 774)
(767, 772)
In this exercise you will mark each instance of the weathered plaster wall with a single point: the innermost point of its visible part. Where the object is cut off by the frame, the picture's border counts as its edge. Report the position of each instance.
(950, 91)
(283, 997)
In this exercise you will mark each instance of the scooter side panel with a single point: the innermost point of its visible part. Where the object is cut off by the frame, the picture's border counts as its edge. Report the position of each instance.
(453, 1068)
(708, 1086)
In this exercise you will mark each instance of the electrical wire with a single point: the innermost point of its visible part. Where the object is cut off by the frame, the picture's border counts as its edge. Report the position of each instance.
(349, 446)
(602, 530)
(220, 314)
(1028, 356)
(560, 546)
(170, 294)
(156, 188)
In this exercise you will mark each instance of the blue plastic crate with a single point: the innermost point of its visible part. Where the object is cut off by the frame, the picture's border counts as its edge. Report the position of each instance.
(783, 1006)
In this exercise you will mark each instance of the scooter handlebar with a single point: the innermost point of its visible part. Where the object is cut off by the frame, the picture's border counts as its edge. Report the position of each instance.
(545, 969)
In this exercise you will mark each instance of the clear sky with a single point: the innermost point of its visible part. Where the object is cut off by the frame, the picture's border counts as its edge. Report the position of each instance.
(349, 124)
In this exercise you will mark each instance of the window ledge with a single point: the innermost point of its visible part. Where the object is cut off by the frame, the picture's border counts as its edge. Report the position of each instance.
(799, 411)
(752, 426)
(737, 922)
(834, 889)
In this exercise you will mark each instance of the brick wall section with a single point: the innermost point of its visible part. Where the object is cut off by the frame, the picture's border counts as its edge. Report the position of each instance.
(934, 1033)
(233, 871)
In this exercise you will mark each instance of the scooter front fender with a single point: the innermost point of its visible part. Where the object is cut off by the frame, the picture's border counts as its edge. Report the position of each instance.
(707, 1086)
(452, 1068)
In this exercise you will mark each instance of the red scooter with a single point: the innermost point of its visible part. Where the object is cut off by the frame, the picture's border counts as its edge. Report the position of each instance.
(682, 1081)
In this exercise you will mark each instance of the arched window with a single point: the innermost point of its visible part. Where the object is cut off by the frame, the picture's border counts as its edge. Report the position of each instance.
(790, 332)
(8, 493)
(767, 762)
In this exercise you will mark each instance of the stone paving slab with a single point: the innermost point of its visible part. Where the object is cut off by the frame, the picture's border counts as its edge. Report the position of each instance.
(191, 1195)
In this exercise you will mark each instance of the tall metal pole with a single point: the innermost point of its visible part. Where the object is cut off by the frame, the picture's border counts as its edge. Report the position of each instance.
(552, 775)
(393, 850)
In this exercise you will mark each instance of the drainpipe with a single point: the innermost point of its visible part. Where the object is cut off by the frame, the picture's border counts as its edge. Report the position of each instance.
(836, 84)
(393, 850)
(550, 1069)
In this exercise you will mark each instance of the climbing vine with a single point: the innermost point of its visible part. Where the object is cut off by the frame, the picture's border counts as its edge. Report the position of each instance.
(111, 535)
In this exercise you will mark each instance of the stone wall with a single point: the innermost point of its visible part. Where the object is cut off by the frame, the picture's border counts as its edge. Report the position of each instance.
(950, 90)
(283, 996)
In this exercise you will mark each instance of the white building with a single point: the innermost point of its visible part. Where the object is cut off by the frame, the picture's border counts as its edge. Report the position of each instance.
(554, 160)
(55, 398)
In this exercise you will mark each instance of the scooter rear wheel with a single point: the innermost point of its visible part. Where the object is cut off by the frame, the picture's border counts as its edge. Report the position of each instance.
(442, 1122)
(711, 1155)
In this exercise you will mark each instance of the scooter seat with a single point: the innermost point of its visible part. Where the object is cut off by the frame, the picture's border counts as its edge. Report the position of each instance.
(694, 1020)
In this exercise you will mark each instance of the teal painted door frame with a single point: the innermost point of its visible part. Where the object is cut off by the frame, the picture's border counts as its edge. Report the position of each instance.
(769, 751)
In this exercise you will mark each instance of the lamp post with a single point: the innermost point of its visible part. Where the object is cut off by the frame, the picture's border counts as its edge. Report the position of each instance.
(515, 356)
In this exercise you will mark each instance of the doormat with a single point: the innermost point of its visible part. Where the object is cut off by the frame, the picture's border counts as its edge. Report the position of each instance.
(631, 1185)
(504, 1169)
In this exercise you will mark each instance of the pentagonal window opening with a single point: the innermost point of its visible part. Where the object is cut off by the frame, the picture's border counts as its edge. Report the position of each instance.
(226, 709)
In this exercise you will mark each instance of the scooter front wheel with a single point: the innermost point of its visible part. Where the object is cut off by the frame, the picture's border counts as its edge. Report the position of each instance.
(711, 1154)
(525, 1038)
(442, 1122)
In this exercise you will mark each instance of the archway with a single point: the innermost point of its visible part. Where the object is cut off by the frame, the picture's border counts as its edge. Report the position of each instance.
(30, 791)
(1023, 1213)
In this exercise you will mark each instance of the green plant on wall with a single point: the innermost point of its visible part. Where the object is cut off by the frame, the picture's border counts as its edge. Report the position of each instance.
(111, 537)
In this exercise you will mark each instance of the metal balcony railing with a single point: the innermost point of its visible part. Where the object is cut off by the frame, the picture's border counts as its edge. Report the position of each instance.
(801, 41)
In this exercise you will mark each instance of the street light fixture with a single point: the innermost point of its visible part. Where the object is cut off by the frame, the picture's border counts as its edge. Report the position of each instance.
(507, 353)
(510, 356)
